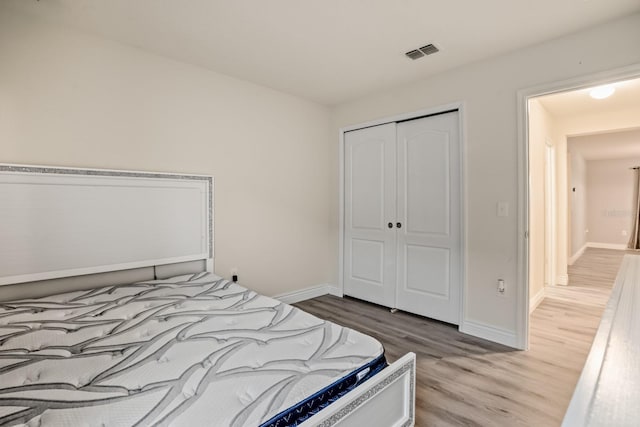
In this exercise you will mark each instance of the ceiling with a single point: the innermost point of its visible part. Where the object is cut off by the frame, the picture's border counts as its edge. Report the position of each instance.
(612, 145)
(626, 96)
(328, 51)
(607, 143)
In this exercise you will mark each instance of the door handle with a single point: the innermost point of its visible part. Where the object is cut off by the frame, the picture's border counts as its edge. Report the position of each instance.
(390, 225)
(398, 224)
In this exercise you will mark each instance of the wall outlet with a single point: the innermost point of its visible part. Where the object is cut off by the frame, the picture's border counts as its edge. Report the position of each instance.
(624, 232)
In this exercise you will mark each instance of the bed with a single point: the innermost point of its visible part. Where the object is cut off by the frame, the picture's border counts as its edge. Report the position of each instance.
(190, 349)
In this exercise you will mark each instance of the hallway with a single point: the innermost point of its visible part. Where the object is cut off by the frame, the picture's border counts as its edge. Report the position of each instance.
(590, 278)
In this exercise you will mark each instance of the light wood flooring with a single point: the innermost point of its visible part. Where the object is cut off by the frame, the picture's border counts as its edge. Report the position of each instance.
(462, 380)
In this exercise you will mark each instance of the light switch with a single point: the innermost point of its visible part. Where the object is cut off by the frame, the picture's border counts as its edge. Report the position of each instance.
(503, 208)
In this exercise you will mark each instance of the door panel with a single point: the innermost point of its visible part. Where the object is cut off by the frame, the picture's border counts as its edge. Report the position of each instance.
(367, 184)
(432, 263)
(427, 161)
(370, 198)
(429, 247)
(367, 260)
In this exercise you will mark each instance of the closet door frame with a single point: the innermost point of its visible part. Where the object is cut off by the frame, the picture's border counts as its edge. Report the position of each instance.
(460, 107)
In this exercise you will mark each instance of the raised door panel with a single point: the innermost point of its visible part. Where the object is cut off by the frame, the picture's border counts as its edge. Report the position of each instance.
(427, 270)
(367, 183)
(427, 161)
(367, 261)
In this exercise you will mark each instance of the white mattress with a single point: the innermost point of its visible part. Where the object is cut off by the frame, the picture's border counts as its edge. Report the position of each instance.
(191, 350)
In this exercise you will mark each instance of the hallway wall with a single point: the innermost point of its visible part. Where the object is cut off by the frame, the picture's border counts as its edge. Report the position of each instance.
(578, 196)
(610, 186)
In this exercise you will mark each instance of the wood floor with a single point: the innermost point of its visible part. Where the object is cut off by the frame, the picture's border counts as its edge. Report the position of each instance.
(462, 380)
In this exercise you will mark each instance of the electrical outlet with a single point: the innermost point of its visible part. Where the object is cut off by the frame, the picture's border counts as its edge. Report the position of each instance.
(624, 232)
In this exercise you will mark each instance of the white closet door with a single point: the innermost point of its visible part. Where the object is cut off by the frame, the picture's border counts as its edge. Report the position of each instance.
(429, 244)
(370, 199)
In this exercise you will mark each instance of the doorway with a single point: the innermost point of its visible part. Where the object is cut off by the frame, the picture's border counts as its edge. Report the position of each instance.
(546, 236)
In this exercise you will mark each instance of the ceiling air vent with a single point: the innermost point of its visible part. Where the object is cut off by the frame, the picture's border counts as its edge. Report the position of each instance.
(424, 50)
(414, 54)
(429, 49)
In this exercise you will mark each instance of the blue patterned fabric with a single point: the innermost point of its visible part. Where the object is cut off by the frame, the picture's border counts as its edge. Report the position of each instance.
(295, 415)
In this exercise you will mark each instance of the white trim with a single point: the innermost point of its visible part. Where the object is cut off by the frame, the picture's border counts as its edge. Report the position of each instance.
(522, 248)
(578, 254)
(562, 280)
(616, 246)
(308, 293)
(460, 106)
(550, 211)
(405, 116)
(335, 291)
(536, 300)
(522, 259)
(489, 332)
(462, 121)
(124, 171)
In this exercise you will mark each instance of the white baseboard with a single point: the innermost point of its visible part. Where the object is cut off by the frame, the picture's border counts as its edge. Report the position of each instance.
(536, 300)
(562, 280)
(335, 291)
(308, 293)
(489, 332)
(616, 246)
(578, 254)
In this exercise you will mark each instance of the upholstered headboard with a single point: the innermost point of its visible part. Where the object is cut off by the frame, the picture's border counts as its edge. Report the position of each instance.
(62, 222)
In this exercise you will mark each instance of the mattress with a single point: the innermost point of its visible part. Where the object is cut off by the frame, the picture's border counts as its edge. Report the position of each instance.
(190, 350)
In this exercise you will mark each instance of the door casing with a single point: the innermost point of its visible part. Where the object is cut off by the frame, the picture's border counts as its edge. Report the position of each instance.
(523, 96)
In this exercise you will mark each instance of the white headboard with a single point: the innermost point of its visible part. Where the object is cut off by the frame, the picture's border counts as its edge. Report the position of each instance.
(61, 222)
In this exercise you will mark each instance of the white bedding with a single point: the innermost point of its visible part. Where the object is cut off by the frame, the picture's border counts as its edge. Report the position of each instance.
(191, 350)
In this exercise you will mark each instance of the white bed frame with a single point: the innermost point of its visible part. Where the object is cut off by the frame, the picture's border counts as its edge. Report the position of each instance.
(64, 222)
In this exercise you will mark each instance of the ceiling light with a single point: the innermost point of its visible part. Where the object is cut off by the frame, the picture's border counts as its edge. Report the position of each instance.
(602, 92)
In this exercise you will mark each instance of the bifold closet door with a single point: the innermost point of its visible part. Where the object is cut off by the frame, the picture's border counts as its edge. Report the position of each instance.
(370, 206)
(429, 241)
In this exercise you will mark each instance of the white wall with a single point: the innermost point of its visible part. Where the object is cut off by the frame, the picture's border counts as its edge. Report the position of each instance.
(610, 200)
(489, 91)
(71, 99)
(540, 129)
(583, 124)
(543, 130)
(578, 196)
